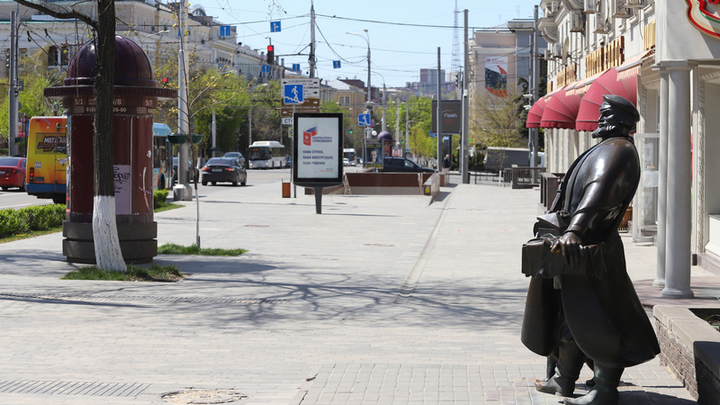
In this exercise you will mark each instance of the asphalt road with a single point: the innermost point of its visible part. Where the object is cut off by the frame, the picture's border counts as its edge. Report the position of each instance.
(16, 199)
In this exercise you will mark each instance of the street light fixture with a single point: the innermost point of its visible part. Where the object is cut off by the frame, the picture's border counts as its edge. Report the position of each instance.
(367, 40)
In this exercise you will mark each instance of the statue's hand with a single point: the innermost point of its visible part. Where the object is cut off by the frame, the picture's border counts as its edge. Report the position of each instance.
(570, 244)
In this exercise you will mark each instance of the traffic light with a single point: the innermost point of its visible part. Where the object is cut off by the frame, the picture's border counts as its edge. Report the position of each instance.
(270, 55)
(164, 81)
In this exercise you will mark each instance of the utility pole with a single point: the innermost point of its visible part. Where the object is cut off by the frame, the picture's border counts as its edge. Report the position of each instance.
(13, 92)
(407, 126)
(384, 101)
(183, 191)
(466, 110)
(312, 40)
(534, 81)
(214, 136)
(397, 123)
(439, 115)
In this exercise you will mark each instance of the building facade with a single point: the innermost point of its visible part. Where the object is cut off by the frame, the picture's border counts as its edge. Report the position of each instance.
(665, 58)
(150, 24)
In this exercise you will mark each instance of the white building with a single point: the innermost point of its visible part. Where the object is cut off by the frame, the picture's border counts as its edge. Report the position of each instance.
(150, 24)
(665, 57)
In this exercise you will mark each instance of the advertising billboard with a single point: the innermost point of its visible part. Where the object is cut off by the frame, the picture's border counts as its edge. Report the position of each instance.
(373, 154)
(318, 149)
(451, 116)
(496, 75)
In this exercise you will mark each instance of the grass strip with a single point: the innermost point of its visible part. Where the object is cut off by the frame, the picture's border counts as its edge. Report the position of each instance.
(30, 234)
(134, 273)
(168, 207)
(173, 249)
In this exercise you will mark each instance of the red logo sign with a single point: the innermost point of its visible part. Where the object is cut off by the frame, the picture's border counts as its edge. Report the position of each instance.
(307, 135)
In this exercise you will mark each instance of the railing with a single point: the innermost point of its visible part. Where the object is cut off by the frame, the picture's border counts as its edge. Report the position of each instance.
(549, 183)
(526, 177)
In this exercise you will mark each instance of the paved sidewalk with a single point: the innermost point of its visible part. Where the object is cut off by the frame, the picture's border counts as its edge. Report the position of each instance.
(379, 300)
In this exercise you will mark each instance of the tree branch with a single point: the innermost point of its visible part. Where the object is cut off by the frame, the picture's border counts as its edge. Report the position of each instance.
(63, 15)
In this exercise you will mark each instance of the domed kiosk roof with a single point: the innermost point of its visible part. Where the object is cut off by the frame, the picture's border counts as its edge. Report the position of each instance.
(132, 69)
(385, 136)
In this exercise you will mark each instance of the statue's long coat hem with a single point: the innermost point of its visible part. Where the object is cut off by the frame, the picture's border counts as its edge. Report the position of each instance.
(604, 316)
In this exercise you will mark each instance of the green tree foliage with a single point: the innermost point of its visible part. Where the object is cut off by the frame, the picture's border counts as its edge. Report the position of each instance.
(223, 92)
(420, 116)
(34, 73)
(350, 134)
(496, 121)
(265, 101)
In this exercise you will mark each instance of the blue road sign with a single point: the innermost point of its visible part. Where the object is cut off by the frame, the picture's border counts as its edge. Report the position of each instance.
(296, 67)
(274, 26)
(364, 120)
(266, 68)
(293, 94)
(225, 31)
(336, 64)
(433, 134)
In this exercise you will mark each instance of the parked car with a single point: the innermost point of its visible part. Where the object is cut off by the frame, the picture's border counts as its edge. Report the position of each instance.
(346, 162)
(223, 170)
(12, 172)
(236, 155)
(401, 164)
(190, 169)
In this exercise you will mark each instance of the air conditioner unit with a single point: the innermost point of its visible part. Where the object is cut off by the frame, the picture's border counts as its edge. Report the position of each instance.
(602, 26)
(590, 6)
(548, 54)
(577, 22)
(557, 51)
(635, 4)
(621, 11)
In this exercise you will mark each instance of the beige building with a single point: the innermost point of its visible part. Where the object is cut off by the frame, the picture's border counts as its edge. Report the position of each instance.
(151, 24)
(664, 57)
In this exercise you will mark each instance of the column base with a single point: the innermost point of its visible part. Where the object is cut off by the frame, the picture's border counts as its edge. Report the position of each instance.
(675, 293)
(659, 283)
(182, 192)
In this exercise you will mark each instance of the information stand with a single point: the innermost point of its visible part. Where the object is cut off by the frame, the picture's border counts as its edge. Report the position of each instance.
(317, 153)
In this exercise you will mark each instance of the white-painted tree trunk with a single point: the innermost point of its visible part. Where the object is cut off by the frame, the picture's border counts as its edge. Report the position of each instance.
(105, 236)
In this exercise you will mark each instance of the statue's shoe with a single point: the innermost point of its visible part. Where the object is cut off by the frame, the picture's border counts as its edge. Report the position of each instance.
(599, 395)
(556, 385)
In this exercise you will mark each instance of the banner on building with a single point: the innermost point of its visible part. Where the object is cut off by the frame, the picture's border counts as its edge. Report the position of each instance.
(496, 75)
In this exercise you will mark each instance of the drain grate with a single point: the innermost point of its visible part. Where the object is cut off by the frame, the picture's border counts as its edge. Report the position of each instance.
(196, 396)
(98, 389)
(142, 298)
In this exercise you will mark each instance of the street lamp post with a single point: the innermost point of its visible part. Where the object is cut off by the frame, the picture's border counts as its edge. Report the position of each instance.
(368, 130)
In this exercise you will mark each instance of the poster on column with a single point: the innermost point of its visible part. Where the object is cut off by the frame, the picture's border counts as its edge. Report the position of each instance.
(318, 146)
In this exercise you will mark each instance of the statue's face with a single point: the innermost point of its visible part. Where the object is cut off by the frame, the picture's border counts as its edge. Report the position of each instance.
(610, 119)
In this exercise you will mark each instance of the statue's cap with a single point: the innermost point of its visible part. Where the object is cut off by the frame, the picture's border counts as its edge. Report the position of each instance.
(624, 104)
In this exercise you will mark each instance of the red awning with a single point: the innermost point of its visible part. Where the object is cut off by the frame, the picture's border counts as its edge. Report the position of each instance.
(608, 83)
(560, 110)
(535, 113)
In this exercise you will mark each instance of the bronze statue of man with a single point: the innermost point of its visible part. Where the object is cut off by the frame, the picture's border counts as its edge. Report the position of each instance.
(593, 317)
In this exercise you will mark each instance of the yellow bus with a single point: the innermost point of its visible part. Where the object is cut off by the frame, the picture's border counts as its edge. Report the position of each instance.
(46, 174)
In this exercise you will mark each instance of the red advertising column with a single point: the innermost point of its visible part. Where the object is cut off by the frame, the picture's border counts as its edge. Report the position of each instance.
(135, 96)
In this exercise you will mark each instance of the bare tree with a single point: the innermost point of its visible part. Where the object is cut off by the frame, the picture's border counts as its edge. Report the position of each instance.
(107, 244)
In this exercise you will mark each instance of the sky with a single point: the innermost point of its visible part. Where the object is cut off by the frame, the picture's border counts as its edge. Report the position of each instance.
(403, 35)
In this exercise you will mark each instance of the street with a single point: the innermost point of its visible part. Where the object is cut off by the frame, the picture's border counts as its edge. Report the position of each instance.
(15, 198)
(381, 299)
